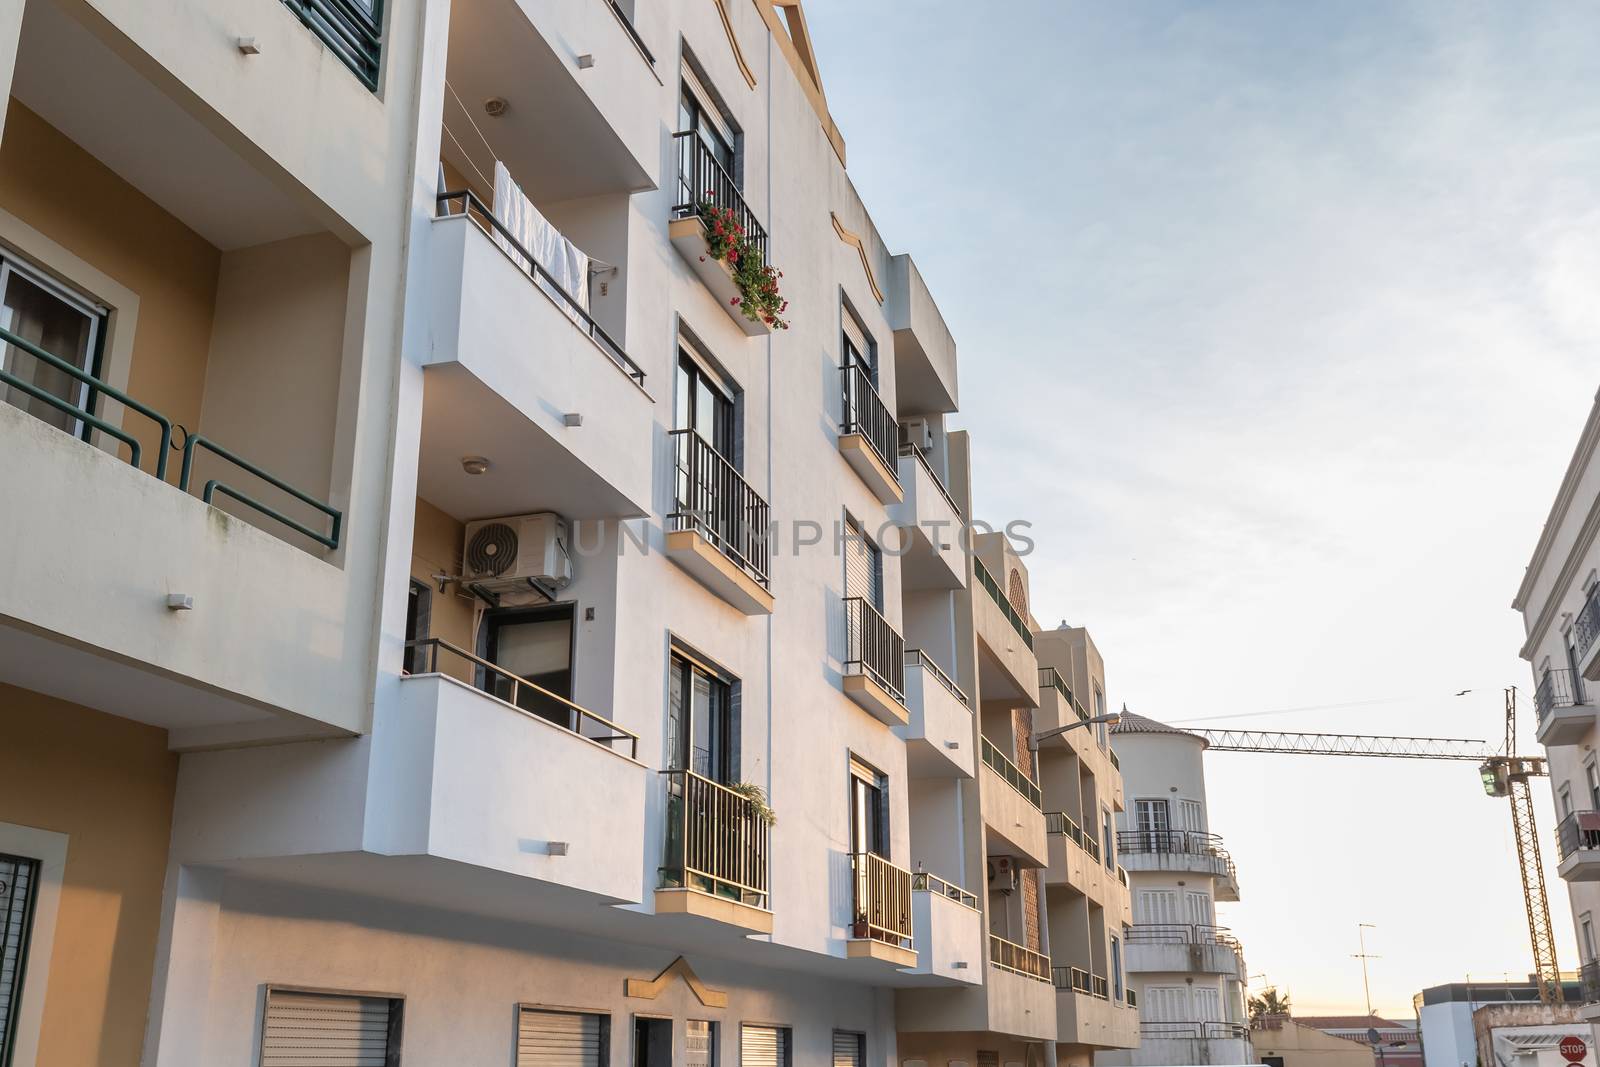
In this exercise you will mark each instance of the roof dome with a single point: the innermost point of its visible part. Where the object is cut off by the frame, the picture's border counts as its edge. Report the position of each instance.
(1132, 723)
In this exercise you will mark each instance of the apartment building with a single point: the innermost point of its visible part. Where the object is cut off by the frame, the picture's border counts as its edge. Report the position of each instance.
(1559, 600)
(486, 577)
(1189, 971)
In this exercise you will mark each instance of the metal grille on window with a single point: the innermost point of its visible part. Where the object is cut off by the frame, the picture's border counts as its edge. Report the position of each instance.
(326, 1030)
(560, 1039)
(763, 1046)
(18, 878)
(848, 1050)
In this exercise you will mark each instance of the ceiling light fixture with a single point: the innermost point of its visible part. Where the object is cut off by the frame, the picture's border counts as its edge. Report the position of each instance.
(495, 106)
(474, 465)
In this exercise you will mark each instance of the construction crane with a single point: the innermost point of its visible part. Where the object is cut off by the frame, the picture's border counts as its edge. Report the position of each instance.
(1503, 775)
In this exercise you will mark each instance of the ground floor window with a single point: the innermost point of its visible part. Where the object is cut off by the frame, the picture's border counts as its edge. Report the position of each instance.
(763, 1046)
(561, 1038)
(849, 1050)
(700, 1043)
(330, 1030)
(18, 888)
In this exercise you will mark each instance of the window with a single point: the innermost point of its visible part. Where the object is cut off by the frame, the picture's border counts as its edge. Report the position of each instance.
(1591, 775)
(1193, 815)
(1151, 819)
(1208, 1004)
(1564, 795)
(849, 1050)
(699, 113)
(18, 890)
(863, 566)
(419, 610)
(763, 1046)
(1107, 840)
(64, 324)
(700, 1043)
(1157, 906)
(702, 730)
(535, 645)
(1101, 735)
(859, 351)
(352, 31)
(330, 1029)
(869, 811)
(1586, 934)
(561, 1038)
(1116, 967)
(1199, 903)
(1164, 1004)
(705, 404)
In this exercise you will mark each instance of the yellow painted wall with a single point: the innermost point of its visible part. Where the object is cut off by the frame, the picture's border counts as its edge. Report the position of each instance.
(107, 783)
(59, 189)
(1305, 1046)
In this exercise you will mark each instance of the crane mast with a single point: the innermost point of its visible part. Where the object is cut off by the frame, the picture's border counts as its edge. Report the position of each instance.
(1504, 775)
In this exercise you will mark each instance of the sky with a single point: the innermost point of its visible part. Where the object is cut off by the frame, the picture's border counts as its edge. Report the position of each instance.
(1278, 322)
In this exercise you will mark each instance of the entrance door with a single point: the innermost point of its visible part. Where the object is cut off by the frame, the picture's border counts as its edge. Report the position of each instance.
(63, 324)
(1153, 819)
(652, 1042)
(867, 809)
(535, 645)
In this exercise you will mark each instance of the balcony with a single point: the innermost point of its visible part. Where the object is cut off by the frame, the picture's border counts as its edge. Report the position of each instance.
(1010, 956)
(881, 912)
(1565, 716)
(1010, 802)
(717, 856)
(874, 663)
(1578, 845)
(1586, 635)
(1076, 861)
(1180, 850)
(934, 558)
(868, 434)
(1058, 707)
(1194, 1042)
(704, 185)
(560, 412)
(1086, 1014)
(1184, 949)
(1005, 643)
(491, 772)
(1589, 981)
(718, 528)
(924, 349)
(1021, 998)
(947, 931)
(938, 732)
(350, 31)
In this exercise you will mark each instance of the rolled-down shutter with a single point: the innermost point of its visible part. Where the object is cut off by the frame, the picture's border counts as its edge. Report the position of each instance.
(763, 1046)
(847, 1050)
(17, 878)
(325, 1030)
(559, 1039)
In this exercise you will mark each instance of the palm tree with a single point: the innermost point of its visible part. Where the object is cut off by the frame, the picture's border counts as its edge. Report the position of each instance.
(1270, 1002)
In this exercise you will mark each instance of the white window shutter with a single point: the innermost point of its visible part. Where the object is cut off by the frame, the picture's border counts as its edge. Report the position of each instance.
(325, 1030)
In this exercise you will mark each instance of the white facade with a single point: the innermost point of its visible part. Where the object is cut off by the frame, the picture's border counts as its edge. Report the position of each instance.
(1188, 969)
(1559, 600)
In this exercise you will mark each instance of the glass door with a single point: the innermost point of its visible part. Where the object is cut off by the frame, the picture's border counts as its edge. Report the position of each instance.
(64, 325)
(535, 646)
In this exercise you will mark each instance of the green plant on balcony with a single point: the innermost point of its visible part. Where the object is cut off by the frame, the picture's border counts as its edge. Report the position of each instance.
(756, 280)
(757, 798)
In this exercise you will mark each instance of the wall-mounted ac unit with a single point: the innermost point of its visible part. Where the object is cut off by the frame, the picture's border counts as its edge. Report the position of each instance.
(520, 551)
(1003, 873)
(918, 433)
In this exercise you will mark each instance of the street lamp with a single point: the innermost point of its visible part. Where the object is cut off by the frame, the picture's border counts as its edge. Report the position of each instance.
(1108, 720)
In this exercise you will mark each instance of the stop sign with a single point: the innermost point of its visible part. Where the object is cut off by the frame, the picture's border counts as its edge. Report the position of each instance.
(1573, 1049)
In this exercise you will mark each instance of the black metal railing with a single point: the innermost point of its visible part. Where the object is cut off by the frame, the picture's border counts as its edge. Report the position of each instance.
(702, 180)
(521, 693)
(632, 31)
(480, 213)
(1073, 978)
(1010, 956)
(921, 458)
(1176, 842)
(1194, 1031)
(1557, 689)
(717, 840)
(1013, 775)
(713, 499)
(882, 900)
(352, 30)
(1050, 678)
(1059, 822)
(1589, 981)
(865, 413)
(916, 657)
(923, 882)
(1578, 832)
(873, 648)
(1181, 934)
(1586, 627)
(1018, 623)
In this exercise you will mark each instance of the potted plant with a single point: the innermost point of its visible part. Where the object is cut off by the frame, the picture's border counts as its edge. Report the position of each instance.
(757, 281)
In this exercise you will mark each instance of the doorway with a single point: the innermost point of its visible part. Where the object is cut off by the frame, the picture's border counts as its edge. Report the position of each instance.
(652, 1042)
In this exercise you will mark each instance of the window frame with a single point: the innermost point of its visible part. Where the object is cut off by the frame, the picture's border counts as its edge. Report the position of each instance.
(864, 776)
(97, 314)
(685, 664)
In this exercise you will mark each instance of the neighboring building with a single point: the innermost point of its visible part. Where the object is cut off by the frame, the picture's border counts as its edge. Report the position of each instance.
(1283, 1041)
(462, 712)
(1533, 1035)
(1559, 600)
(1444, 1015)
(1398, 1044)
(1187, 970)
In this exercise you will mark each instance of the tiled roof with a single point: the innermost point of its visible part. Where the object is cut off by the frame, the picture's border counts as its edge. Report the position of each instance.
(1351, 1022)
(1139, 724)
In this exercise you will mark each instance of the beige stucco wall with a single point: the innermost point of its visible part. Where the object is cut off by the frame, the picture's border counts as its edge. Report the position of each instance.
(72, 199)
(107, 783)
(1305, 1046)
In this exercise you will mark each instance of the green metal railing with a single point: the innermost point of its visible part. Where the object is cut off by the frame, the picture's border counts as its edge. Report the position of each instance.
(352, 30)
(1018, 623)
(84, 414)
(1011, 773)
(1114, 761)
(1050, 678)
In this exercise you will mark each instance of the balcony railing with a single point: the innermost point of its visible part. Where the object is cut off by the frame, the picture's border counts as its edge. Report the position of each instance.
(1018, 623)
(1194, 1031)
(1589, 981)
(351, 29)
(923, 882)
(1073, 978)
(873, 648)
(1050, 678)
(1011, 773)
(713, 499)
(915, 657)
(524, 695)
(908, 449)
(1557, 689)
(631, 30)
(1131, 997)
(1059, 822)
(84, 413)
(1578, 832)
(702, 180)
(1177, 842)
(717, 842)
(1181, 934)
(882, 909)
(864, 412)
(484, 217)
(1586, 627)
(1116, 764)
(1010, 956)
(1099, 987)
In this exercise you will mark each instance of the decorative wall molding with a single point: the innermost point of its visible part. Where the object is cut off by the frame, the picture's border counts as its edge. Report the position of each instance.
(854, 239)
(678, 968)
(733, 42)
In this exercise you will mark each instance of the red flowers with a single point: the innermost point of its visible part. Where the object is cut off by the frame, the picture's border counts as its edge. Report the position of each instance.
(727, 242)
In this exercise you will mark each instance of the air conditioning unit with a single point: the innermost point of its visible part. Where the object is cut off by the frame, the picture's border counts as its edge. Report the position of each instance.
(1003, 874)
(519, 551)
(917, 433)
